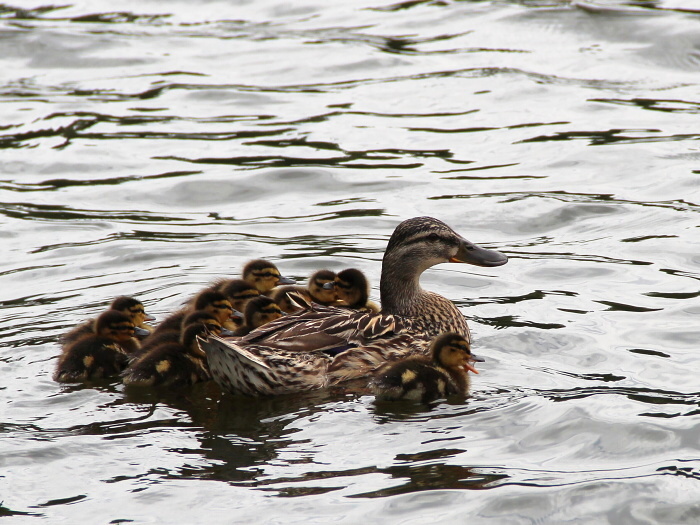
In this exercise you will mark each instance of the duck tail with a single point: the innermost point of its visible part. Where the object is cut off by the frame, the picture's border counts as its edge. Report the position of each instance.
(262, 371)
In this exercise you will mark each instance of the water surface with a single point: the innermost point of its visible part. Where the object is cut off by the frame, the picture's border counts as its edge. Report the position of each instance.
(151, 147)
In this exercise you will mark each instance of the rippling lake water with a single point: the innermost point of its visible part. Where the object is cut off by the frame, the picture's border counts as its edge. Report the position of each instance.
(149, 147)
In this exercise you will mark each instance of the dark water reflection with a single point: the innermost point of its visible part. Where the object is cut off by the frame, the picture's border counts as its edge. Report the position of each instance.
(152, 147)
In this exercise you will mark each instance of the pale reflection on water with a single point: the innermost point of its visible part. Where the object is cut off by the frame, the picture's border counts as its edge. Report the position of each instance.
(150, 148)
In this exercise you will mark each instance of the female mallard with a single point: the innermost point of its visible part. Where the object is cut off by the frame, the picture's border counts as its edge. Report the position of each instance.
(323, 345)
(427, 378)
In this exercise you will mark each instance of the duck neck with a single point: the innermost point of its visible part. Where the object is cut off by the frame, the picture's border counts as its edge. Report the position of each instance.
(399, 286)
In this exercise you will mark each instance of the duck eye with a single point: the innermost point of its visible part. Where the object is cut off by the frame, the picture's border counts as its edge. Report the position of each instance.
(433, 237)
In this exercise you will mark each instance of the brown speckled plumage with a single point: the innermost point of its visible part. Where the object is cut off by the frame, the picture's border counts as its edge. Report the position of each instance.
(324, 345)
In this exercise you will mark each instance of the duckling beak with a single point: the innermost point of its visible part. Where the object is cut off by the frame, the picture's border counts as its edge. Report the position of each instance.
(235, 314)
(149, 318)
(225, 332)
(470, 253)
(286, 280)
(329, 285)
(140, 332)
(469, 366)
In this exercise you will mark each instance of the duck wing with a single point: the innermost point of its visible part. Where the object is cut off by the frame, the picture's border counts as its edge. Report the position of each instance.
(324, 328)
(263, 371)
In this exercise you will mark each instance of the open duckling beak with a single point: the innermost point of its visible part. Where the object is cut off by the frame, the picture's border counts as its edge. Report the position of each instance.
(236, 314)
(469, 365)
(470, 253)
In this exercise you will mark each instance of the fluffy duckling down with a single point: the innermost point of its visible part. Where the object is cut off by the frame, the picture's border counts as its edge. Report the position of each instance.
(209, 300)
(177, 364)
(102, 353)
(319, 290)
(258, 312)
(264, 275)
(427, 378)
(130, 306)
(173, 336)
(352, 288)
(239, 292)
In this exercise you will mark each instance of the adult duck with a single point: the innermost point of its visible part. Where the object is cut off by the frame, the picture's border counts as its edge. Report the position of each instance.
(323, 345)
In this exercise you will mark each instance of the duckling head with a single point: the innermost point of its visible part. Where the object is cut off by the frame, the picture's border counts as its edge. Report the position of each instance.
(280, 295)
(321, 287)
(215, 303)
(352, 288)
(264, 275)
(189, 336)
(115, 325)
(239, 292)
(260, 311)
(452, 351)
(134, 309)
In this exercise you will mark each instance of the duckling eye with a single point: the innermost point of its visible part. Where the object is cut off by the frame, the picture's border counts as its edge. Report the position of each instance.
(223, 307)
(433, 237)
(137, 310)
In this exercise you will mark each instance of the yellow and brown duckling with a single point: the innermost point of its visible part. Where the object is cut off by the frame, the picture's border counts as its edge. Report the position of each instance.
(209, 300)
(239, 292)
(103, 353)
(264, 275)
(174, 335)
(174, 364)
(319, 290)
(130, 306)
(258, 312)
(427, 378)
(352, 288)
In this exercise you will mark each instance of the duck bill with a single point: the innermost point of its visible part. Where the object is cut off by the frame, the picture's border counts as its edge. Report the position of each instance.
(149, 318)
(470, 253)
(236, 314)
(285, 280)
(140, 332)
(330, 285)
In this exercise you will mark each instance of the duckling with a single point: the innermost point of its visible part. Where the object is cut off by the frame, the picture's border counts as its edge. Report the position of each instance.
(127, 305)
(258, 311)
(177, 364)
(280, 295)
(319, 290)
(427, 378)
(352, 288)
(209, 300)
(173, 336)
(239, 292)
(264, 275)
(101, 354)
